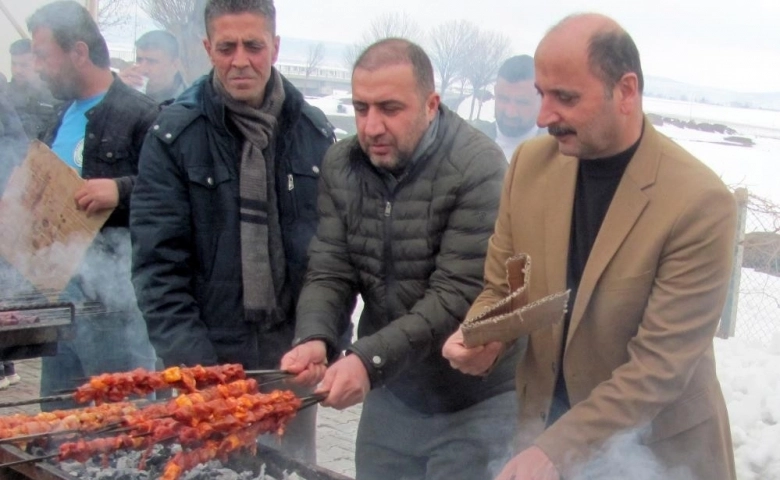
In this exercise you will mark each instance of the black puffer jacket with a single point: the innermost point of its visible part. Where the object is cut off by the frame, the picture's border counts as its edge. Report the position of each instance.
(416, 255)
(186, 230)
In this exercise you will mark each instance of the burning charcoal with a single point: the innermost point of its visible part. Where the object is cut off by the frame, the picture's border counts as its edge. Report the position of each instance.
(106, 474)
(224, 474)
(126, 463)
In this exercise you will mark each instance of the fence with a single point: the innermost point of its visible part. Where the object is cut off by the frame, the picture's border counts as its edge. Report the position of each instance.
(752, 310)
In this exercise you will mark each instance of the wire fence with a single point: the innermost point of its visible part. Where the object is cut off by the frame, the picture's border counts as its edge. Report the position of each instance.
(752, 309)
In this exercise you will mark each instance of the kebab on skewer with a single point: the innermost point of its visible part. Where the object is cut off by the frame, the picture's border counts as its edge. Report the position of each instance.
(12, 421)
(113, 387)
(212, 425)
(92, 419)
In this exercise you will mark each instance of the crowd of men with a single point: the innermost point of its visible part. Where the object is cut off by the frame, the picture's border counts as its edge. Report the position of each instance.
(241, 232)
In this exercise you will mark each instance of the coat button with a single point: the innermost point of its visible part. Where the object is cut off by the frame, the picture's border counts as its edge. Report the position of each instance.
(168, 136)
(315, 169)
(377, 360)
(156, 127)
(210, 181)
(91, 135)
(109, 155)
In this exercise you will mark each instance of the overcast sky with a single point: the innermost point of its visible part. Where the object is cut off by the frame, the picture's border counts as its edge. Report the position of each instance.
(705, 42)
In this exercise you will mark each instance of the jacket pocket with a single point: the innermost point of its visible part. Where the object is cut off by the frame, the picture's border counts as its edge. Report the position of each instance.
(300, 187)
(681, 416)
(213, 198)
(208, 177)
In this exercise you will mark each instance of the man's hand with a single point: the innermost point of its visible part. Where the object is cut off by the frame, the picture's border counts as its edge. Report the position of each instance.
(471, 361)
(132, 77)
(530, 464)
(97, 194)
(347, 381)
(308, 361)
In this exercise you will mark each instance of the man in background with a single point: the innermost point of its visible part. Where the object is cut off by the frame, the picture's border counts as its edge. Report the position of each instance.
(225, 208)
(98, 132)
(157, 67)
(30, 97)
(516, 105)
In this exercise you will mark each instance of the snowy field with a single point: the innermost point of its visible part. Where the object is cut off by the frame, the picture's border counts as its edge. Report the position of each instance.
(748, 371)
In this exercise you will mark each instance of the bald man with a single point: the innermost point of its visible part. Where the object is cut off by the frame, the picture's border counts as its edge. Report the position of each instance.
(642, 233)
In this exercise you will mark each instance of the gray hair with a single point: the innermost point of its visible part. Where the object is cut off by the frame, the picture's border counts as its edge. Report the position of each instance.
(218, 8)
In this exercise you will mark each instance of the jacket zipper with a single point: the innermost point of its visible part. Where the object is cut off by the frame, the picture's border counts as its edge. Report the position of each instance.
(389, 267)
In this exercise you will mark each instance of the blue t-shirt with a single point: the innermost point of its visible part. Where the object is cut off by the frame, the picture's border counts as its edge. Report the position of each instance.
(69, 143)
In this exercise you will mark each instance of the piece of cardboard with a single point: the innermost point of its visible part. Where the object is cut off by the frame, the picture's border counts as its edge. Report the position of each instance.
(513, 317)
(42, 232)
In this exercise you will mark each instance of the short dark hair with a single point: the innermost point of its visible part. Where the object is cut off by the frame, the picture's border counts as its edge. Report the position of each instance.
(517, 68)
(71, 23)
(394, 51)
(21, 47)
(159, 40)
(218, 8)
(612, 54)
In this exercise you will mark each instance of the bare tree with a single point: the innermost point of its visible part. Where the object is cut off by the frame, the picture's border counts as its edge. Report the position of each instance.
(313, 60)
(393, 24)
(113, 13)
(183, 19)
(484, 60)
(450, 44)
(351, 54)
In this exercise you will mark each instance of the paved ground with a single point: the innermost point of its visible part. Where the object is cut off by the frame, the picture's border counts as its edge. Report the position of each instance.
(335, 429)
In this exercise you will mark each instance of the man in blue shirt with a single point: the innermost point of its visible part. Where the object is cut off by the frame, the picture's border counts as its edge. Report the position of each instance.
(99, 132)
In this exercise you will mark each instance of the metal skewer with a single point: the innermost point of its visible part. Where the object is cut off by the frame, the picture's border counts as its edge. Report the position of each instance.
(31, 401)
(29, 460)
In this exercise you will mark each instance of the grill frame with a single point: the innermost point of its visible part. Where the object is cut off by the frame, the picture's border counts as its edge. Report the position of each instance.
(275, 463)
(33, 340)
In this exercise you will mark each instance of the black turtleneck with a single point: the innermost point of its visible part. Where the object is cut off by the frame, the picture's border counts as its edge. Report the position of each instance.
(597, 181)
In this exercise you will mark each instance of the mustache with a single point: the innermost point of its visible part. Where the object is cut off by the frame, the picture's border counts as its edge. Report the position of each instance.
(560, 130)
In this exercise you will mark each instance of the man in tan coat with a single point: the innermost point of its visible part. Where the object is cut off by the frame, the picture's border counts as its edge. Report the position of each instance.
(642, 233)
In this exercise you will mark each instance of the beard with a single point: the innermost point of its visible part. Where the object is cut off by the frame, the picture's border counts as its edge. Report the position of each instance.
(64, 86)
(510, 130)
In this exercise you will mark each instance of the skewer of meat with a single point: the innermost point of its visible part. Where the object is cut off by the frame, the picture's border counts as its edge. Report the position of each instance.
(92, 419)
(215, 419)
(114, 387)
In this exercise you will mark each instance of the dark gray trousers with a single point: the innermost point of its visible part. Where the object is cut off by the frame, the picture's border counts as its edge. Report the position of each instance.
(395, 442)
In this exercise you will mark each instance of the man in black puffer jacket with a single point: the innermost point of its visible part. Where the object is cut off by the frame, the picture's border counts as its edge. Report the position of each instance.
(406, 211)
(218, 265)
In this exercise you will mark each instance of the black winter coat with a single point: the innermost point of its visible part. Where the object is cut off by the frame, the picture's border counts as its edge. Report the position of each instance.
(415, 254)
(112, 142)
(185, 228)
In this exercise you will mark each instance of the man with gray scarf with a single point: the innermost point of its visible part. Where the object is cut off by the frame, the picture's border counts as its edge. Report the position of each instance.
(407, 208)
(225, 206)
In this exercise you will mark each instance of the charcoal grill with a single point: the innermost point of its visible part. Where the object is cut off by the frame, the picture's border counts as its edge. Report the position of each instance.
(31, 340)
(275, 465)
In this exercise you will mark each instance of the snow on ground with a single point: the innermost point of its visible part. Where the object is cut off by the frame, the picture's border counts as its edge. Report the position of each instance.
(751, 385)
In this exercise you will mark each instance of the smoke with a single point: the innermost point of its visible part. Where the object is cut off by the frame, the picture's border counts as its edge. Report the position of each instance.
(105, 271)
(625, 457)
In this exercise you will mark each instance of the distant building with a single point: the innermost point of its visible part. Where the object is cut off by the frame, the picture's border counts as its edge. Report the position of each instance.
(323, 80)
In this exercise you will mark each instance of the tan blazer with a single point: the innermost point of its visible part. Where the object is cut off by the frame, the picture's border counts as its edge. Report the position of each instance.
(639, 354)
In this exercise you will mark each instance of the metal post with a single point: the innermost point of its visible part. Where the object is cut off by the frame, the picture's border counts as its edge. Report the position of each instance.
(728, 319)
(92, 7)
(22, 32)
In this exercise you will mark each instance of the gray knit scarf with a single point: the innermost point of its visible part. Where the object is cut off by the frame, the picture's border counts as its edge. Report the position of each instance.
(262, 251)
